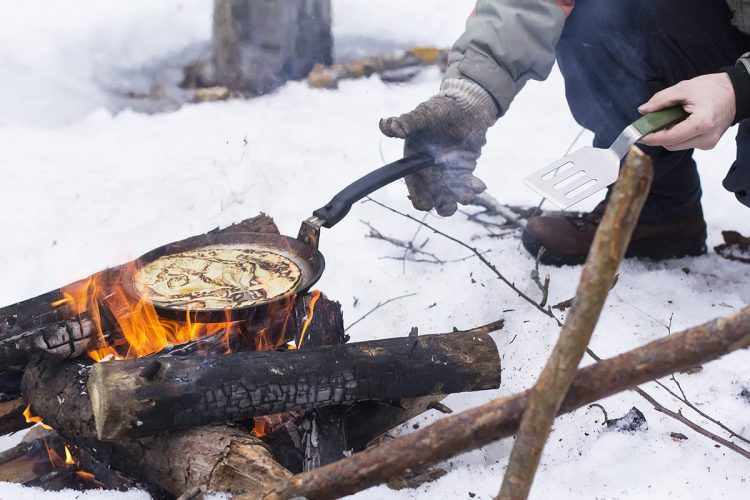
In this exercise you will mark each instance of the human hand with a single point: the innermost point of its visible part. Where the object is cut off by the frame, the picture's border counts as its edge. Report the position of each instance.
(451, 127)
(709, 99)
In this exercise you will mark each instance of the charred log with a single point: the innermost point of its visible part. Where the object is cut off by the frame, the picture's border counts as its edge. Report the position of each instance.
(196, 391)
(11, 416)
(57, 393)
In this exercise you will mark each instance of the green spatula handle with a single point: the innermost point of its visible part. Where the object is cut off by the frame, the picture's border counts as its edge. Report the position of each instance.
(653, 122)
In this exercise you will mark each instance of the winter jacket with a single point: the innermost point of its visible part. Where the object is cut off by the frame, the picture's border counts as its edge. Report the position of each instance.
(507, 42)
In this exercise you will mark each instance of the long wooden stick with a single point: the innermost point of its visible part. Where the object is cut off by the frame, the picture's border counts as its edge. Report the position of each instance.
(607, 251)
(500, 418)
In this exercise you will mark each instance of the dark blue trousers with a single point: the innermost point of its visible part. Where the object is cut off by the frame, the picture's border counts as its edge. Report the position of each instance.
(615, 54)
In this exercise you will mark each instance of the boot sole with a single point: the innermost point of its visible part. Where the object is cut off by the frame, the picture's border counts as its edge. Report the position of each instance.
(654, 249)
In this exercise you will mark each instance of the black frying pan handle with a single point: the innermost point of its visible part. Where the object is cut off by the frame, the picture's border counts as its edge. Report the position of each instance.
(339, 206)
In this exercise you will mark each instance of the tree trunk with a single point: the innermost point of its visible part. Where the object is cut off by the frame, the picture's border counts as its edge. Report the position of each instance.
(260, 44)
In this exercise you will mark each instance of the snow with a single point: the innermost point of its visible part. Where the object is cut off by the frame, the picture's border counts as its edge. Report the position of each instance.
(89, 183)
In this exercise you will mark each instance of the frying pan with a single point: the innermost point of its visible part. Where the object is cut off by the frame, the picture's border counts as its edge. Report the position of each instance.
(302, 251)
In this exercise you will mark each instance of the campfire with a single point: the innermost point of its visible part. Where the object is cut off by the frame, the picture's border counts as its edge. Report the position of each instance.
(122, 384)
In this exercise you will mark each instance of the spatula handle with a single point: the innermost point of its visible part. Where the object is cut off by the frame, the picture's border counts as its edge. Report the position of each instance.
(653, 122)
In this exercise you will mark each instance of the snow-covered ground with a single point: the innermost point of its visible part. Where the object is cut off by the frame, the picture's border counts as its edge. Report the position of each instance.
(87, 184)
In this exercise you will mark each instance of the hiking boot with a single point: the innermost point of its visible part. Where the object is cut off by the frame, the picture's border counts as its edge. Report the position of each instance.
(566, 238)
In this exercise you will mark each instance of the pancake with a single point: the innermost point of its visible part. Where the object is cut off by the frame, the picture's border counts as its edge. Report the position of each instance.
(217, 277)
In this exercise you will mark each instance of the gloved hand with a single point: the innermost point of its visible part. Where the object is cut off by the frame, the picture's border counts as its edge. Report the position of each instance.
(451, 127)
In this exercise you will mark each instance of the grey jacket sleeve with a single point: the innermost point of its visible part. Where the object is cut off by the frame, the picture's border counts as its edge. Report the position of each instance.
(506, 42)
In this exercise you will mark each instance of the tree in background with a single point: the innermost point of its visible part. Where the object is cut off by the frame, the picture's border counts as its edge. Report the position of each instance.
(260, 44)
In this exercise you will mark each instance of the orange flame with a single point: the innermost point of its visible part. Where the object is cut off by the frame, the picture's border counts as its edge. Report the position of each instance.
(34, 420)
(86, 475)
(56, 460)
(314, 296)
(143, 331)
(68, 457)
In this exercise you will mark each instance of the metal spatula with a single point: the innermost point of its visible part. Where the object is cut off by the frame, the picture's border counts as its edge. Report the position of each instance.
(588, 170)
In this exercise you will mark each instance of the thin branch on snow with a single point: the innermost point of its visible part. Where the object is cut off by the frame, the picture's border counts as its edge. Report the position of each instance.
(378, 306)
(410, 247)
(677, 415)
(683, 399)
(480, 255)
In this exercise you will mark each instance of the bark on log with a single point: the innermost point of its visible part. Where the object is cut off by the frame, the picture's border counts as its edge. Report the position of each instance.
(607, 251)
(500, 418)
(34, 329)
(196, 391)
(224, 458)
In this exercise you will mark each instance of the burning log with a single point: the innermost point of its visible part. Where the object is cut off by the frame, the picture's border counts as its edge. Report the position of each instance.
(53, 387)
(52, 325)
(56, 388)
(141, 397)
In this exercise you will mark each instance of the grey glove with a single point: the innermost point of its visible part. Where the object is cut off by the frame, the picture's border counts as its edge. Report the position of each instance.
(451, 127)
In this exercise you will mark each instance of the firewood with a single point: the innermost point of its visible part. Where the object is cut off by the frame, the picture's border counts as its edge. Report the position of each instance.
(221, 458)
(500, 418)
(36, 327)
(172, 461)
(11, 416)
(598, 275)
(192, 391)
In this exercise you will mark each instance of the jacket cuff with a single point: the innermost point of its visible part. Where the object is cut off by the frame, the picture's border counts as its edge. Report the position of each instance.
(493, 78)
(740, 78)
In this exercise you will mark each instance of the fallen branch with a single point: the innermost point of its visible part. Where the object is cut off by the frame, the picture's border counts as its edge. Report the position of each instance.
(500, 418)
(378, 306)
(607, 251)
(684, 399)
(329, 76)
(537, 305)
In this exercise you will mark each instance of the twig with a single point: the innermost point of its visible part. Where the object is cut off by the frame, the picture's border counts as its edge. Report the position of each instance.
(20, 450)
(683, 399)
(488, 328)
(597, 405)
(378, 306)
(493, 206)
(408, 246)
(697, 428)
(544, 287)
(547, 311)
(607, 251)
